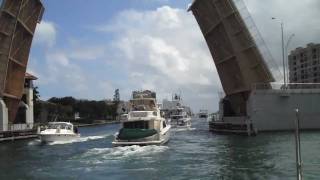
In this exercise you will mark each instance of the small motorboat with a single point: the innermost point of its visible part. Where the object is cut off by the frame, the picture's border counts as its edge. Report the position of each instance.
(58, 131)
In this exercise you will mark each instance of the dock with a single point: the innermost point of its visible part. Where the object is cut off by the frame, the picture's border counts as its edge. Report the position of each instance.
(17, 135)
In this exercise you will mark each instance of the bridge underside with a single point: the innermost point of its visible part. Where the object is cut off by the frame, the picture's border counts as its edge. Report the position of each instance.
(237, 58)
(18, 20)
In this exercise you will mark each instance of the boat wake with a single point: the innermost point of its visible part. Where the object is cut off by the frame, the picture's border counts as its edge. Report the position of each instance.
(34, 142)
(182, 129)
(98, 155)
(80, 139)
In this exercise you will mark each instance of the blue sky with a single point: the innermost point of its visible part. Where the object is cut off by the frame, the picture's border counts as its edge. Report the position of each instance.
(87, 49)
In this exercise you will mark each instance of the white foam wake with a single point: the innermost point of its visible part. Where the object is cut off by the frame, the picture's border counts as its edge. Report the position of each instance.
(122, 152)
(80, 139)
(182, 129)
(34, 142)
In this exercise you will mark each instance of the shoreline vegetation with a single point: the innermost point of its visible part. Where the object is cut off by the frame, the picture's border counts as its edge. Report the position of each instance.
(80, 112)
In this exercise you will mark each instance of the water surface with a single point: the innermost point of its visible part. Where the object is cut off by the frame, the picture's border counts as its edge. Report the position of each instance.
(190, 154)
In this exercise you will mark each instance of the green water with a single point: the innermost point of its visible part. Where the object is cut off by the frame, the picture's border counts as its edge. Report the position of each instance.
(190, 154)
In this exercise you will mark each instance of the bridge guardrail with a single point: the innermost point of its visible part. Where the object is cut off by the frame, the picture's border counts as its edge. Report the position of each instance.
(287, 86)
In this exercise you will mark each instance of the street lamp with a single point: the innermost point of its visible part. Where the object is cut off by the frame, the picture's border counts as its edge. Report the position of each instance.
(283, 61)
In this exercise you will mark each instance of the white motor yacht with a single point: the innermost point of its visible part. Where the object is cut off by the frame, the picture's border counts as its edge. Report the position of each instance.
(203, 114)
(58, 131)
(144, 124)
(180, 118)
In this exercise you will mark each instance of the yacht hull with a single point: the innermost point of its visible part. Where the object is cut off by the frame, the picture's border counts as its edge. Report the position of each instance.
(164, 138)
(58, 137)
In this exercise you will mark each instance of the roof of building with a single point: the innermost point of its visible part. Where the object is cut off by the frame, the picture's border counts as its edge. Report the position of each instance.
(30, 76)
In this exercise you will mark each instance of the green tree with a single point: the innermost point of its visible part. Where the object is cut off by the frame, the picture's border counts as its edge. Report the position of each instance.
(116, 96)
(36, 103)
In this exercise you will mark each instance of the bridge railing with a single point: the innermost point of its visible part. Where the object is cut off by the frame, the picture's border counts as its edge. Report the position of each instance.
(259, 41)
(288, 86)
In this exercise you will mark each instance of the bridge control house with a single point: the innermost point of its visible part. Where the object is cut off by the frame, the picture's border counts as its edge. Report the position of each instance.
(24, 119)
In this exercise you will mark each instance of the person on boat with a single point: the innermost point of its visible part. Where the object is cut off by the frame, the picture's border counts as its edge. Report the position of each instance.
(75, 129)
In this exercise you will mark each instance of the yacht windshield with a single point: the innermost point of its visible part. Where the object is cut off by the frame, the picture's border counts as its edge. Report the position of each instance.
(143, 105)
(136, 125)
(59, 125)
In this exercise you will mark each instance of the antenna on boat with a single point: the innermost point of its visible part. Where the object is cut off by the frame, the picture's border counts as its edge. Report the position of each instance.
(297, 142)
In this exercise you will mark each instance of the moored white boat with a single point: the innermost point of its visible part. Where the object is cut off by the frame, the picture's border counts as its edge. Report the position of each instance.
(58, 131)
(144, 124)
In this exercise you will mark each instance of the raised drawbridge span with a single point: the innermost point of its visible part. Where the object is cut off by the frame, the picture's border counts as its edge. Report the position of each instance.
(239, 53)
(18, 20)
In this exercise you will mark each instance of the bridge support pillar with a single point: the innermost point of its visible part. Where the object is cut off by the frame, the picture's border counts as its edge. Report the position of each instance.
(3, 116)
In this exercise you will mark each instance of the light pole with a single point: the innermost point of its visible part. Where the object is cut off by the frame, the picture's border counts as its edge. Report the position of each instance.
(283, 60)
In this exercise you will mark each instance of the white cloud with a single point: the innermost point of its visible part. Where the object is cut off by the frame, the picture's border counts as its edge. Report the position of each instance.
(45, 33)
(87, 53)
(57, 58)
(165, 51)
(162, 49)
(299, 17)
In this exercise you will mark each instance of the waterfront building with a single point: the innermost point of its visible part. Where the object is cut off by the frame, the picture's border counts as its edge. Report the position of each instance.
(304, 64)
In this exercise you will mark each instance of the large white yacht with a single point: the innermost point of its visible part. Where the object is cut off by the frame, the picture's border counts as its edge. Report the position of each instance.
(144, 124)
(58, 131)
(179, 118)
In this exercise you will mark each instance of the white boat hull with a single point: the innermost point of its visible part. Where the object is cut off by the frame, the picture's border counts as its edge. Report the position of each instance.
(179, 125)
(164, 138)
(58, 137)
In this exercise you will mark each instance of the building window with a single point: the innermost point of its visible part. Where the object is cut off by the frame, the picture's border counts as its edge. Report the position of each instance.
(314, 51)
(294, 57)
